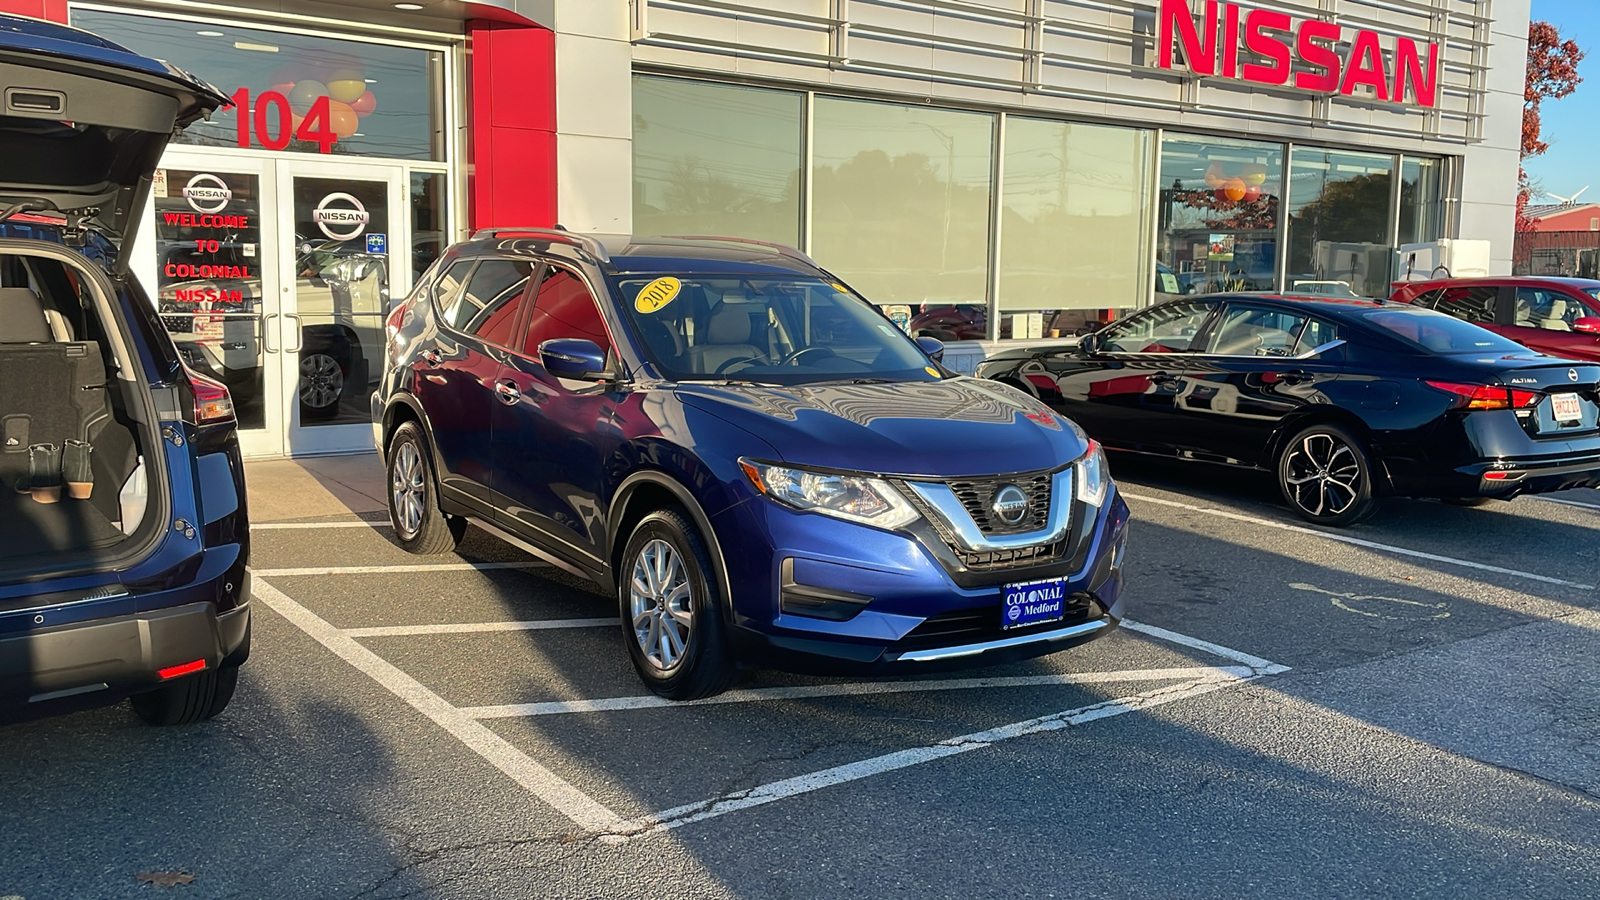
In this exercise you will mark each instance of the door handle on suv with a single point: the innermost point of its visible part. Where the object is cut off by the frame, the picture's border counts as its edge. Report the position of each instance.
(432, 357)
(508, 392)
(1294, 377)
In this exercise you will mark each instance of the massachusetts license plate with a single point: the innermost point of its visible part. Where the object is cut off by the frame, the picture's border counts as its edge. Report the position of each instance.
(1566, 408)
(1033, 602)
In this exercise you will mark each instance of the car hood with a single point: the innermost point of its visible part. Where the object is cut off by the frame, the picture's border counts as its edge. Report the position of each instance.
(954, 427)
(84, 122)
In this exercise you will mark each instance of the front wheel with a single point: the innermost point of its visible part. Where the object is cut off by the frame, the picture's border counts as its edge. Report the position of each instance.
(419, 525)
(670, 608)
(187, 700)
(1326, 476)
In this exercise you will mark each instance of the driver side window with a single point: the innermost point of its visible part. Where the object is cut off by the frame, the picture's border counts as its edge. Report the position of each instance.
(564, 308)
(1163, 329)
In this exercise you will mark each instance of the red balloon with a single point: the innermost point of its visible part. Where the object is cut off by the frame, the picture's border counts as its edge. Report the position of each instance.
(1222, 194)
(1252, 193)
(365, 104)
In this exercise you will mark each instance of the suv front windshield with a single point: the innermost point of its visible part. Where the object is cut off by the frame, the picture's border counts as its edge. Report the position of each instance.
(778, 330)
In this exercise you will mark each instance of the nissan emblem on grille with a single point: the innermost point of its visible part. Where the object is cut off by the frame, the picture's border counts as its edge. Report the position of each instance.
(1010, 504)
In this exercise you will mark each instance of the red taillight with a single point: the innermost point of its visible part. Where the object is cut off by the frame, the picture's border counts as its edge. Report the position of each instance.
(212, 404)
(1496, 476)
(184, 669)
(1487, 396)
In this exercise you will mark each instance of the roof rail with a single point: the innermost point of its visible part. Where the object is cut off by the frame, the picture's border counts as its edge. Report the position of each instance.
(554, 235)
(783, 249)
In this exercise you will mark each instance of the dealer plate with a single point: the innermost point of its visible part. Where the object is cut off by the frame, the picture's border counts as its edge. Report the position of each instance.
(1034, 602)
(1566, 408)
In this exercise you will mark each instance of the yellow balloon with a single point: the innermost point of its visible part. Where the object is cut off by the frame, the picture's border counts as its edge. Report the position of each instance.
(347, 90)
(1255, 177)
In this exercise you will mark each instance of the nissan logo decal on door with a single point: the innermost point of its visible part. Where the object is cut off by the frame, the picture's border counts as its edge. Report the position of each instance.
(1010, 504)
(207, 193)
(341, 216)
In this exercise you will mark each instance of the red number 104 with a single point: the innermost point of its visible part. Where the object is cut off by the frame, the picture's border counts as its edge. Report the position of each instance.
(271, 122)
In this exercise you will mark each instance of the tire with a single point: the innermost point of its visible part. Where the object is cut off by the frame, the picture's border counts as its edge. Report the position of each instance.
(190, 699)
(665, 591)
(1469, 501)
(1325, 475)
(322, 383)
(419, 525)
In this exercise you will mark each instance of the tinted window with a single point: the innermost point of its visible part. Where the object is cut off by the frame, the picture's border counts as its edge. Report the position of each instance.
(1440, 334)
(1317, 333)
(1164, 329)
(1549, 310)
(488, 305)
(564, 308)
(1254, 331)
(444, 292)
(1473, 304)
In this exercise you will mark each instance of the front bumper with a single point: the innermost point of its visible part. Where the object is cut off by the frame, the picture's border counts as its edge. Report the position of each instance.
(831, 596)
(103, 660)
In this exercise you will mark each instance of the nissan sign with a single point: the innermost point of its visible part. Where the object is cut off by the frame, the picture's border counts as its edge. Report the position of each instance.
(341, 216)
(207, 193)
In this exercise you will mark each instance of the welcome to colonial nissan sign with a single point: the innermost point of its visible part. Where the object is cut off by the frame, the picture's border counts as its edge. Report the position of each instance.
(1304, 51)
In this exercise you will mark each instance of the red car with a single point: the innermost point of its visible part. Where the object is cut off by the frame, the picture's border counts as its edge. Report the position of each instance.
(1555, 316)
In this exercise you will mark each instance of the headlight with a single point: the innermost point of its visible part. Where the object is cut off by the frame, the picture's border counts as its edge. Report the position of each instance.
(870, 501)
(1094, 475)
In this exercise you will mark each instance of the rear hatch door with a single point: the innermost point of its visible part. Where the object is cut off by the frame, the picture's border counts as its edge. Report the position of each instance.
(83, 123)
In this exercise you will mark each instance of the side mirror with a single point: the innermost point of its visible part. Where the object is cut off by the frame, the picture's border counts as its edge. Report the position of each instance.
(1089, 344)
(1587, 325)
(572, 358)
(935, 347)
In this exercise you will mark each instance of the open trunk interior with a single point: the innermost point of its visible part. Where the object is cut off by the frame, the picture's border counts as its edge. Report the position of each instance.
(73, 483)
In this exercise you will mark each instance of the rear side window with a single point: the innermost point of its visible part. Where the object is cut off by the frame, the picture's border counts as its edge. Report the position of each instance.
(1316, 334)
(1471, 304)
(1546, 309)
(487, 307)
(564, 308)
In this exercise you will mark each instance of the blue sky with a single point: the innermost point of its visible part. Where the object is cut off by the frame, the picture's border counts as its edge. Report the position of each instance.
(1572, 125)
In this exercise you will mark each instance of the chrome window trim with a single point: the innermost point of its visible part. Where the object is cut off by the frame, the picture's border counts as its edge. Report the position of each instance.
(943, 502)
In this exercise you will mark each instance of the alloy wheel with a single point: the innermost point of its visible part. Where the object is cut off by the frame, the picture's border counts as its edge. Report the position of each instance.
(660, 604)
(321, 380)
(1323, 476)
(406, 486)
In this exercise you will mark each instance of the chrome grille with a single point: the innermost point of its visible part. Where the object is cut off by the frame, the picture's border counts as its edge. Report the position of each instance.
(977, 496)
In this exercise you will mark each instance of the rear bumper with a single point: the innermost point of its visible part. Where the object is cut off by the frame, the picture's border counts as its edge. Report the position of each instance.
(104, 660)
(1511, 479)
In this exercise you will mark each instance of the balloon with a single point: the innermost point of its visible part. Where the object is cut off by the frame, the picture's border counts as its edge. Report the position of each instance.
(1214, 176)
(346, 90)
(1255, 176)
(1235, 189)
(1252, 193)
(1222, 195)
(283, 87)
(342, 119)
(365, 104)
(306, 93)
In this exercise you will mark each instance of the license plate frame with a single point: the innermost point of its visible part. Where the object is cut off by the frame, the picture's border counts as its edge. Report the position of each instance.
(1567, 408)
(1040, 602)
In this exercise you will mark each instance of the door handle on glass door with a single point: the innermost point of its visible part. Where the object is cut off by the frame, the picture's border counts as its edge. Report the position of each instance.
(508, 392)
(299, 336)
(266, 333)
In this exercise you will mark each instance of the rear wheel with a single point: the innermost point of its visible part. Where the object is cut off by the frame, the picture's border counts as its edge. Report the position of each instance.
(1326, 476)
(419, 525)
(671, 610)
(190, 699)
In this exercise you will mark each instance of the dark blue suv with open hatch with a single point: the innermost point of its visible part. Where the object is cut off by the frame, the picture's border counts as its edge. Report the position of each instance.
(762, 466)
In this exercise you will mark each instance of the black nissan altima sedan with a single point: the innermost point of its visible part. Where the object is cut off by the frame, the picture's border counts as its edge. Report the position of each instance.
(1344, 401)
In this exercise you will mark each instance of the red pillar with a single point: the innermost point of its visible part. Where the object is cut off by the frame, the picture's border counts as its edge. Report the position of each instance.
(511, 104)
(54, 10)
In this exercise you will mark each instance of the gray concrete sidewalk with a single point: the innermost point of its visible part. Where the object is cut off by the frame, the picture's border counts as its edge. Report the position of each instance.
(316, 487)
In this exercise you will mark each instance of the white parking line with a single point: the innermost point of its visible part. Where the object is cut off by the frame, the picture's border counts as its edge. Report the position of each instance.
(398, 570)
(854, 689)
(536, 779)
(475, 627)
(290, 526)
(1565, 502)
(1262, 666)
(1371, 545)
(889, 762)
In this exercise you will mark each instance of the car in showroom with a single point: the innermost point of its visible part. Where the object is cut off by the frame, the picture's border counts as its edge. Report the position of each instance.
(1555, 316)
(124, 543)
(762, 467)
(1344, 401)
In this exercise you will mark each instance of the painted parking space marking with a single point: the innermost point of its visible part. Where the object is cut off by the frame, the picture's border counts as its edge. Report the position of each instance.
(850, 689)
(1393, 609)
(544, 784)
(476, 627)
(293, 526)
(398, 570)
(1359, 542)
(466, 725)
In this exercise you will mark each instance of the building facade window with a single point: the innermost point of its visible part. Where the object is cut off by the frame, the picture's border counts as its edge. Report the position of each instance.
(1420, 200)
(716, 159)
(1219, 206)
(1339, 215)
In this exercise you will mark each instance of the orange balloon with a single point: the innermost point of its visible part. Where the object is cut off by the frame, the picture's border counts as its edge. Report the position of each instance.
(365, 104)
(342, 119)
(1214, 176)
(1235, 189)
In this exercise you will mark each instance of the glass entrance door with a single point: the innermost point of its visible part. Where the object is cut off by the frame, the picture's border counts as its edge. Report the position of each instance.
(340, 232)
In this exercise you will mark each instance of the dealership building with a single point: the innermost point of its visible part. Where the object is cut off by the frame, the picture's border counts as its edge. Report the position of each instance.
(991, 170)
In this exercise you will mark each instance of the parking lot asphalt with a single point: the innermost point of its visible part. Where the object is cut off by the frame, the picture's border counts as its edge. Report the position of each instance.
(1410, 707)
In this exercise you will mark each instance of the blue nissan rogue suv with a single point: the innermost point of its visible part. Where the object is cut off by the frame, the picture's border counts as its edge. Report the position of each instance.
(765, 469)
(123, 541)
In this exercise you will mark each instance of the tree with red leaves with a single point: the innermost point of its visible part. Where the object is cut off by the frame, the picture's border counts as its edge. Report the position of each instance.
(1552, 74)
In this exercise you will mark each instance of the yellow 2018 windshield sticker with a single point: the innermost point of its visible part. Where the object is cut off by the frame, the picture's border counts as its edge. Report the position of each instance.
(931, 371)
(657, 294)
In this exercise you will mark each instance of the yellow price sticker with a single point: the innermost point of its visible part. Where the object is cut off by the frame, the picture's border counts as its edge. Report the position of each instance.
(657, 294)
(839, 287)
(931, 371)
